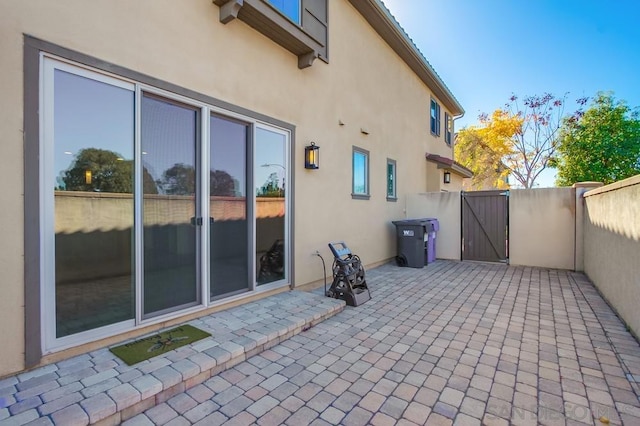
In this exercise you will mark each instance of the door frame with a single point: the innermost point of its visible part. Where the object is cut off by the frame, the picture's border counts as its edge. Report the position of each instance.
(45, 296)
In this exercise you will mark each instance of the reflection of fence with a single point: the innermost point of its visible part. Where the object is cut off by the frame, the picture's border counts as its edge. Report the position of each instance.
(94, 211)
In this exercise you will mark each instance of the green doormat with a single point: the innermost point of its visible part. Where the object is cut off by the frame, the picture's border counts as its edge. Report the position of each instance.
(148, 347)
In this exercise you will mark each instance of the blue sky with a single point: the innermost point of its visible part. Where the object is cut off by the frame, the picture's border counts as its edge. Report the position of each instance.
(486, 50)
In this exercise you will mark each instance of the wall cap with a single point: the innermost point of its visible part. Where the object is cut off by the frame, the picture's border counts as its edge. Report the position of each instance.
(633, 180)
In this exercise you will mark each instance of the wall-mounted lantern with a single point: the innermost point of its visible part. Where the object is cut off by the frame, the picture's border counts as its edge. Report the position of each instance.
(447, 177)
(312, 156)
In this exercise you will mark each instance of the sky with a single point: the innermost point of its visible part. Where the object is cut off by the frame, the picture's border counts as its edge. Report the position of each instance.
(487, 50)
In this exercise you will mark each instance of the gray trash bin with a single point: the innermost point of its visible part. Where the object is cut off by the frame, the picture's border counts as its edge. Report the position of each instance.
(416, 241)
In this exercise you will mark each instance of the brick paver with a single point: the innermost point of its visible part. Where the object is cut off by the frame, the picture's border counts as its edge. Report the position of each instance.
(453, 343)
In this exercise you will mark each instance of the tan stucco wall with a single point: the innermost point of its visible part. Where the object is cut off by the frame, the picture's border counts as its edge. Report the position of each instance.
(542, 227)
(365, 85)
(444, 206)
(612, 246)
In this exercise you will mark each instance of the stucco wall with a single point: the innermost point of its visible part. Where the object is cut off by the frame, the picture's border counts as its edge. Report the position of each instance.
(444, 206)
(365, 86)
(612, 246)
(542, 227)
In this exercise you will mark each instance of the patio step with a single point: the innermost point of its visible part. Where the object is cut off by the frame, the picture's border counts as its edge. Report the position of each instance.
(99, 388)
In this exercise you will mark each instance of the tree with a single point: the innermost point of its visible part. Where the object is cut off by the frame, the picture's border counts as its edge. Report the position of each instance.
(603, 144)
(271, 187)
(221, 184)
(482, 149)
(99, 170)
(521, 140)
(179, 179)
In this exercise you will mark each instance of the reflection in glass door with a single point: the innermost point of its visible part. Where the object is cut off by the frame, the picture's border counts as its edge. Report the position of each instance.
(93, 131)
(229, 232)
(169, 137)
(270, 173)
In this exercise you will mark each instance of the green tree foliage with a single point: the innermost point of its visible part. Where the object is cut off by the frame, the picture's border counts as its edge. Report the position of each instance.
(99, 170)
(602, 144)
(271, 187)
(180, 179)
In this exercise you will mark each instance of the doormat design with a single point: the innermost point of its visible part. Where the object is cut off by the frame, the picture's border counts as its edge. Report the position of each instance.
(158, 344)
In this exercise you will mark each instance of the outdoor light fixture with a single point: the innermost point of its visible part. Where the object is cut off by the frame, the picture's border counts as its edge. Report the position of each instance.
(447, 177)
(87, 177)
(312, 156)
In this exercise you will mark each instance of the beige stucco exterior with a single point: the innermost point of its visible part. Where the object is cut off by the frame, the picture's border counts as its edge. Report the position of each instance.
(444, 206)
(366, 86)
(612, 246)
(542, 227)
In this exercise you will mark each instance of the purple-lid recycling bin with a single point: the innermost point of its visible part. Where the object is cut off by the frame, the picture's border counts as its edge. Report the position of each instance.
(433, 226)
(416, 241)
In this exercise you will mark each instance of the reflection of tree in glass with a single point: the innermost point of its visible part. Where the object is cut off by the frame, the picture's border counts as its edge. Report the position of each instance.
(101, 170)
(180, 179)
(222, 184)
(271, 188)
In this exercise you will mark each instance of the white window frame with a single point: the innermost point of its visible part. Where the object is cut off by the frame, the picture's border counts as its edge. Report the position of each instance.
(366, 194)
(49, 342)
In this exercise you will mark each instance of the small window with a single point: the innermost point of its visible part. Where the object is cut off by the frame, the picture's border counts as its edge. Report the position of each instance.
(391, 180)
(360, 173)
(435, 118)
(289, 8)
(448, 120)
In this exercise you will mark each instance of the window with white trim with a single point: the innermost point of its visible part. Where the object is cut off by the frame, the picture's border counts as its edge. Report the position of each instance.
(140, 190)
(360, 163)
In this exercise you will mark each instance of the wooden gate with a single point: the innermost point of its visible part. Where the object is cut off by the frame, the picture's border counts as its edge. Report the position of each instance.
(485, 226)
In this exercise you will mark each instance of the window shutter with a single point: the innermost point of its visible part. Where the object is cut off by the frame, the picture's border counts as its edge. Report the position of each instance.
(315, 16)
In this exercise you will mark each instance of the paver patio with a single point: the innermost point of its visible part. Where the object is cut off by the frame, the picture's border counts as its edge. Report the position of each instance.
(453, 343)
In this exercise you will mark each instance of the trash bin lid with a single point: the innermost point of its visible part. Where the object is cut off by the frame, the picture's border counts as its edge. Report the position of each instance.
(413, 222)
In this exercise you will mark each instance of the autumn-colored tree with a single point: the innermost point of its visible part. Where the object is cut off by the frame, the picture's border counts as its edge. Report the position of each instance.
(521, 140)
(602, 145)
(482, 149)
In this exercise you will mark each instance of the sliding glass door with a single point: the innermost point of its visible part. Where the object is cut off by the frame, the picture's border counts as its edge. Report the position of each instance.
(154, 205)
(270, 171)
(90, 141)
(228, 224)
(169, 138)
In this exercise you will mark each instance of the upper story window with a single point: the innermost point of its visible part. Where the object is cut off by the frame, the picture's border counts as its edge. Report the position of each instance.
(448, 131)
(435, 118)
(290, 8)
(300, 26)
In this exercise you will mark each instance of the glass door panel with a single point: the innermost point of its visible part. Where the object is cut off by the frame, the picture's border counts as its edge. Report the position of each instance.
(229, 232)
(270, 172)
(169, 137)
(93, 141)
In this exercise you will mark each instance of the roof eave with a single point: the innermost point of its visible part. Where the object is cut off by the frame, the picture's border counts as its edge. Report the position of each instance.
(391, 32)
